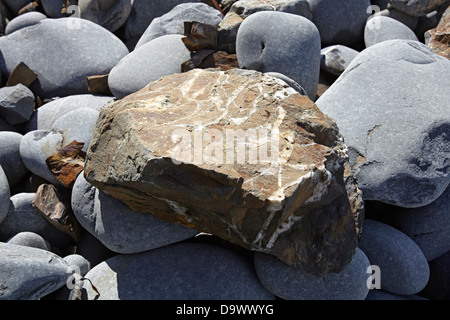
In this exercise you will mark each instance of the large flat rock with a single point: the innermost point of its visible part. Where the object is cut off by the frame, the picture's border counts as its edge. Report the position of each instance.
(238, 154)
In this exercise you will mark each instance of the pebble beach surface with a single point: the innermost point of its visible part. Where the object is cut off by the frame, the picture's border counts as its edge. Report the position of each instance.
(370, 83)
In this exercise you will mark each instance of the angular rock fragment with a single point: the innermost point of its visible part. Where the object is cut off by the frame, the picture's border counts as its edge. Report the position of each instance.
(440, 36)
(417, 8)
(237, 154)
(67, 163)
(52, 205)
(21, 74)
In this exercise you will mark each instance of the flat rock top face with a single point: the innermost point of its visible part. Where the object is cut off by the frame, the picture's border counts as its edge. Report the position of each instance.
(234, 153)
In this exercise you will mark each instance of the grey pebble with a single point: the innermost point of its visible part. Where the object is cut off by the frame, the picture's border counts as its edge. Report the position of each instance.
(263, 45)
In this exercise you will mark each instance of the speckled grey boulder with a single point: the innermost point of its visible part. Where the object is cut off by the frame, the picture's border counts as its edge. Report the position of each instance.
(185, 271)
(74, 49)
(381, 28)
(403, 266)
(23, 21)
(30, 273)
(160, 57)
(290, 283)
(29, 239)
(334, 59)
(120, 229)
(173, 21)
(263, 44)
(46, 115)
(340, 22)
(397, 135)
(5, 194)
(10, 159)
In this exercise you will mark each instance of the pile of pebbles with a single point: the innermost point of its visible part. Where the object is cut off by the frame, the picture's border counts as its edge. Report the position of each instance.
(367, 64)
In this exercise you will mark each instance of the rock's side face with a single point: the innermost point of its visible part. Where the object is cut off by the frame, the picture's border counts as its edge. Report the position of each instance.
(238, 154)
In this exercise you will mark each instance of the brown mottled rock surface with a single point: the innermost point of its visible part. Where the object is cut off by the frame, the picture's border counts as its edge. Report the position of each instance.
(440, 36)
(237, 154)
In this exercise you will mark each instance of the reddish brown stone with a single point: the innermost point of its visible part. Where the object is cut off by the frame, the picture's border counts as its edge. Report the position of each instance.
(67, 163)
(440, 36)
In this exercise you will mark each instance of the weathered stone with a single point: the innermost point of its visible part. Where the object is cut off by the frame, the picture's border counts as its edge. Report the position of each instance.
(16, 104)
(21, 74)
(55, 207)
(67, 163)
(292, 203)
(417, 8)
(440, 36)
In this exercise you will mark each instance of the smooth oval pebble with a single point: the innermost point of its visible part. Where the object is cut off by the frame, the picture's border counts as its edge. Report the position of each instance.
(77, 125)
(289, 283)
(119, 228)
(23, 21)
(184, 271)
(30, 273)
(29, 239)
(381, 28)
(10, 159)
(36, 146)
(160, 57)
(46, 115)
(263, 44)
(403, 267)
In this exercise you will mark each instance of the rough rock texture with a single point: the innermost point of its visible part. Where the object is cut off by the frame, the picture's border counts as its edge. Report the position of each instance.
(417, 8)
(292, 203)
(440, 36)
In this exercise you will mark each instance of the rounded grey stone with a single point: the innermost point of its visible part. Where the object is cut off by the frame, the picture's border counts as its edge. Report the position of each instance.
(30, 273)
(29, 239)
(187, 271)
(385, 295)
(10, 159)
(381, 28)
(24, 20)
(110, 14)
(290, 283)
(74, 49)
(46, 115)
(335, 59)
(160, 57)
(16, 104)
(78, 263)
(262, 44)
(143, 12)
(22, 217)
(5, 194)
(428, 226)
(403, 266)
(397, 136)
(77, 125)
(36, 146)
(173, 21)
(340, 22)
(119, 228)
